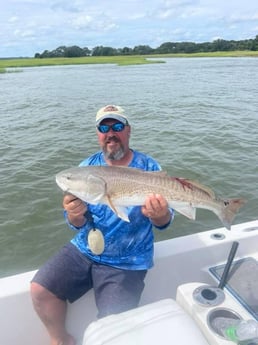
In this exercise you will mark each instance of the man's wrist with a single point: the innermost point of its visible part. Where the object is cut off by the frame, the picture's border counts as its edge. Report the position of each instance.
(76, 221)
(164, 221)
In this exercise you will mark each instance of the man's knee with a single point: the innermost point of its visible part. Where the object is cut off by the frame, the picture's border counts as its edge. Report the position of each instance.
(39, 293)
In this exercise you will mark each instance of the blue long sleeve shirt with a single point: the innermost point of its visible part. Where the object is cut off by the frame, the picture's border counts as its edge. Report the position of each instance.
(128, 245)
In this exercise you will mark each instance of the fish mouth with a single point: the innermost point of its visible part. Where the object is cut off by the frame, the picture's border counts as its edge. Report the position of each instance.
(60, 181)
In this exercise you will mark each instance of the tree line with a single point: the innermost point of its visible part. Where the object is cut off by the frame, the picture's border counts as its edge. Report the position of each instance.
(164, 48)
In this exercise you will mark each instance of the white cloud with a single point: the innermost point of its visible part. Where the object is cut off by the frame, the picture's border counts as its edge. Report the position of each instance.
(82, 21)
(243, 17)
(24, 33)
(13, 19)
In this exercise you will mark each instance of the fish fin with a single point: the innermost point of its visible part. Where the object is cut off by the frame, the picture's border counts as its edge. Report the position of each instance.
(120, 211)
(99, 190)
(186, 210)
(231, 207)
(203, 188)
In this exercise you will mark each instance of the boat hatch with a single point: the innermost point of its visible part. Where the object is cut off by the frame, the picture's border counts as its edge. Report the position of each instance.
(242, 282)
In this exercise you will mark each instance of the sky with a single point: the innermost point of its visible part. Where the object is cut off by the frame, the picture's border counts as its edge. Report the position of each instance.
(28, 27)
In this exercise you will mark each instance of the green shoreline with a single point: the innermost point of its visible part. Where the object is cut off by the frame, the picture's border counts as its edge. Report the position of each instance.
(118, 60)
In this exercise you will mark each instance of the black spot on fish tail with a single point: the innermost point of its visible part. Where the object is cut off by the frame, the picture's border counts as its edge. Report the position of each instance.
(230, 210)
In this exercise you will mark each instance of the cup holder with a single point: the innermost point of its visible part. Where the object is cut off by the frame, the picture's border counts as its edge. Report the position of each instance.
(208, 296)
(221, 312)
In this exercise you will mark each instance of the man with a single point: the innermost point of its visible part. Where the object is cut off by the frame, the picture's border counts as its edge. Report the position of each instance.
(117, 274)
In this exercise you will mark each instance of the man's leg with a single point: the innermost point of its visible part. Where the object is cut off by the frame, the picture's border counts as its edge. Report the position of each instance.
(52, 312)
(64, 277)
(116, 290)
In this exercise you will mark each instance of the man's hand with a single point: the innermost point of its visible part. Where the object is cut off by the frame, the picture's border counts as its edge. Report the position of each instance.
(156, 208)
(76, 210)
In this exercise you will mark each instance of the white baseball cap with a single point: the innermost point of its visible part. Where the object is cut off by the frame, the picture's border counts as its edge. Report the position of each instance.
(111, 112)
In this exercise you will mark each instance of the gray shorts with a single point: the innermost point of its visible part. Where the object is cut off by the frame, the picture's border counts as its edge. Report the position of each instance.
(69, 275)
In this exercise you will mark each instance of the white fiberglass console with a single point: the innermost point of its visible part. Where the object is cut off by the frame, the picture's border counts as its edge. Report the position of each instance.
(203, 304)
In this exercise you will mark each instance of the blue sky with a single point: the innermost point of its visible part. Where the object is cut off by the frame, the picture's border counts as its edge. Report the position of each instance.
(32, 26)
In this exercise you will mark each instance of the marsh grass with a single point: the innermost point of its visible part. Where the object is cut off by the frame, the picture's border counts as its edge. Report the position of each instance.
(32, 62)
(117, 60)
(237, 53)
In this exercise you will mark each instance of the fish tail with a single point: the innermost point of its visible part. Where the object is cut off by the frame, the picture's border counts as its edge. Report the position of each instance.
(229, 210)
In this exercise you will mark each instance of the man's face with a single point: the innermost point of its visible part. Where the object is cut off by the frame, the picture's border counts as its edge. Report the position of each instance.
(114, 144)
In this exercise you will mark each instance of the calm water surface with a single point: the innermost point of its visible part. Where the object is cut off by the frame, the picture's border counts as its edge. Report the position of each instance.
(197, 117)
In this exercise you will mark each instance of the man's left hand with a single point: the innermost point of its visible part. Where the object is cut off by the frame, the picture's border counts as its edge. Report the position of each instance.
(156, 208)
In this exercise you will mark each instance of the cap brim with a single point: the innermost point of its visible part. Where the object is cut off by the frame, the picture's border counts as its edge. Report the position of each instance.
(114, 117)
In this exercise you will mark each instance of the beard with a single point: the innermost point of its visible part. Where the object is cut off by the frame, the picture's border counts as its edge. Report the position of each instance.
(114, 155)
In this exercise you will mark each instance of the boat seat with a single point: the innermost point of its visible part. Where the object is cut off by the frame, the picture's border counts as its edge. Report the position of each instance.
(162, 322)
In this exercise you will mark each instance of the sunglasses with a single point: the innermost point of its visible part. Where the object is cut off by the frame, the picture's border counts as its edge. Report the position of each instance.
(116, 127)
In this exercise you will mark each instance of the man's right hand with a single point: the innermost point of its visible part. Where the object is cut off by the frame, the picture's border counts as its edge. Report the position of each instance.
(76, 210)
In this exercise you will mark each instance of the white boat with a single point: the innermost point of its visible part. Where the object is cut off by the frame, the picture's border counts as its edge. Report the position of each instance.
(183, 294)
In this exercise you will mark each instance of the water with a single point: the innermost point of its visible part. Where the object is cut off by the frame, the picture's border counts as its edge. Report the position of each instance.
(197, 117)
